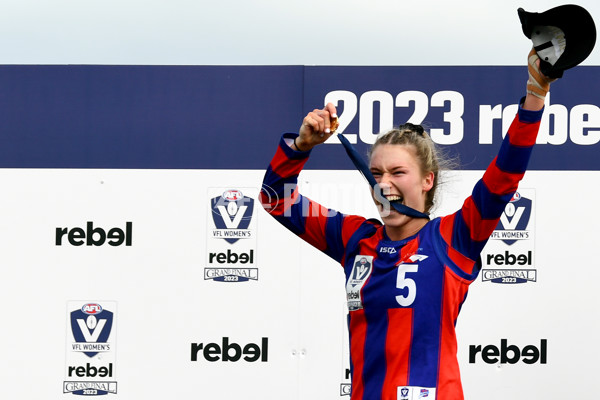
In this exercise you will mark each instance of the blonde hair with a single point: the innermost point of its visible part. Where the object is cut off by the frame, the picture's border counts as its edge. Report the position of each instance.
(429, 155)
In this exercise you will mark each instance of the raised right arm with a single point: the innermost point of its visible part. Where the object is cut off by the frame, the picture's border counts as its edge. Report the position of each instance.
(323, 228)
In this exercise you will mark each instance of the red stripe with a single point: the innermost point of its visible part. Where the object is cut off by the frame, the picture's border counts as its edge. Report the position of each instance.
(500, 182)
(409, 249)
(278, 206)
(350, 224)
(284, 166)
(479, 229)
(358, 327)
(399, 337)
(522, 133)
(446, 225)
(462, 261)
(449, 385)
(316, 221)
(397, 351)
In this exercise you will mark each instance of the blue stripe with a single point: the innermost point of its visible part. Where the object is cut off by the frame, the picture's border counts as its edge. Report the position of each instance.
(275, 185)
(333, 234)
(529, 116)
(295, 221)
(425, 349)
(461, 238)
(513, 159)
(289, 152)
(489, 205)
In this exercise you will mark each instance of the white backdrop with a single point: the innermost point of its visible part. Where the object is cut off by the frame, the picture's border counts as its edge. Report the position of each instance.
(163, 304)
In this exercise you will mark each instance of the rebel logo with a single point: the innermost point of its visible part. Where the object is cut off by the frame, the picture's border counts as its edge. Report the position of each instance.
(232, 213)
(509, 259)
(230, 257)
(231, 352)
(95, 236)
(509, 353)
(90, 371)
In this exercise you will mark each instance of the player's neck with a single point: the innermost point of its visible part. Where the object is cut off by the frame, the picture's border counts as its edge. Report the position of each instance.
(410, 228)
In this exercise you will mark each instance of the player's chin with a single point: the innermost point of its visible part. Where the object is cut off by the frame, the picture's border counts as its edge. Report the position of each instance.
(385, 211)
(393, 218)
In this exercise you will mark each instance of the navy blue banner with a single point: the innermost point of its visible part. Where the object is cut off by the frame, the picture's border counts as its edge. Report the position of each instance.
(231, 117)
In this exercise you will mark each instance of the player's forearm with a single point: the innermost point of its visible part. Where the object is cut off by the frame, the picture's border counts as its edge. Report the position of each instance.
(533, 103)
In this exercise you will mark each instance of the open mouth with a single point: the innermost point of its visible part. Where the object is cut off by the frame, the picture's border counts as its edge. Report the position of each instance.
(386, 207)
(394, 198)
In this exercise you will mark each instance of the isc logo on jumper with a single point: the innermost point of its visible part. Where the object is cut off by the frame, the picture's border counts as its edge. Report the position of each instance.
(360, 273)
(232, 214)
(508, 257)
(90, 361)
(387, 250)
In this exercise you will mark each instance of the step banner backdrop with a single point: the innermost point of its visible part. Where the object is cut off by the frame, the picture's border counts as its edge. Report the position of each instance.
(138, 263)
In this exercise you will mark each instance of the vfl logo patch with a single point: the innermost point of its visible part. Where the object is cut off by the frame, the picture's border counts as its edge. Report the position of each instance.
(514, 220)
(361, 271)
(232, 213)
(91, 326)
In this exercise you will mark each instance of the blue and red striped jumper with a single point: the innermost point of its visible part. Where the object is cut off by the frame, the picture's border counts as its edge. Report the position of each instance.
(404, 296)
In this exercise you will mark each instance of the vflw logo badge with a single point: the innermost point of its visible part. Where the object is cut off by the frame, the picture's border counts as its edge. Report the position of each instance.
(91, 327)
(361, 271)
(514, 220)
(232, 213)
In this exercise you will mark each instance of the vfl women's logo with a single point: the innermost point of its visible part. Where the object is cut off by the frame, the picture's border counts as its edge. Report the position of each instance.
(514, 220)
(361, 270)
(91, 326)
(232, 213)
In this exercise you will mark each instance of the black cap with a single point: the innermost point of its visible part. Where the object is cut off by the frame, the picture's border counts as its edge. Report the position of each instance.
(563, 37)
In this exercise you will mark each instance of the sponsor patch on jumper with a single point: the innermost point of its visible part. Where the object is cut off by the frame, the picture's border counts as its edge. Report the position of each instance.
(415, 393)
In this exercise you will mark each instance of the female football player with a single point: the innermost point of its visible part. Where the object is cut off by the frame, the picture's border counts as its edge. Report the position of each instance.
(406, 278)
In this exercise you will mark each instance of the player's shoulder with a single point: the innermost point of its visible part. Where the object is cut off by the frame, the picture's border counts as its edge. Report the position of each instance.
(356, 228)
